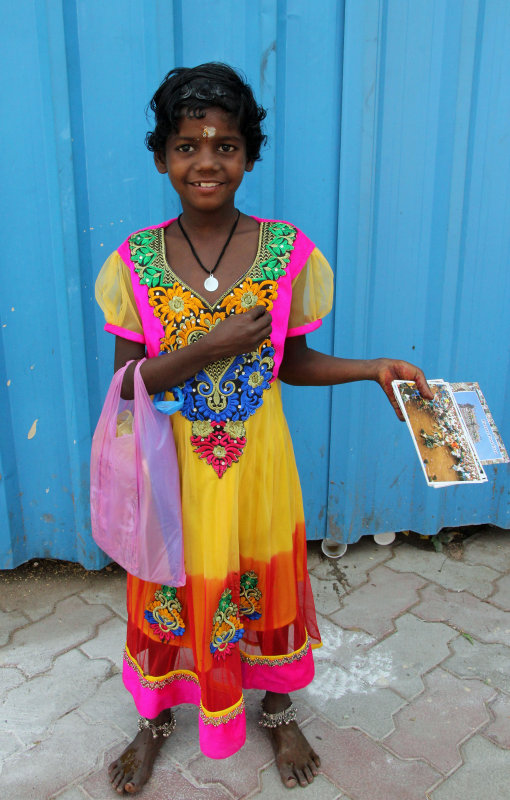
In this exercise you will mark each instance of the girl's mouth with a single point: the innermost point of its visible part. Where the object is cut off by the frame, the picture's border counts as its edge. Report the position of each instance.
(206, 184)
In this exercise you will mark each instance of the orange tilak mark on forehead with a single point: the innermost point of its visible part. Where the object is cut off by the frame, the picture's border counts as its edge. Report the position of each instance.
(208, 132)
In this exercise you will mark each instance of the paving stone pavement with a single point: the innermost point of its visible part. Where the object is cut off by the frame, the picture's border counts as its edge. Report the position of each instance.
(411, 699)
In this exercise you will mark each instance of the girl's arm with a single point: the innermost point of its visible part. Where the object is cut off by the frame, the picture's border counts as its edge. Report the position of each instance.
(304, 367)
(239, 333)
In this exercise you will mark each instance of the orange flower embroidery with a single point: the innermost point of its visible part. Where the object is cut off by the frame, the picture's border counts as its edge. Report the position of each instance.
(249, 294)
(177, 336)
(208, 321)
(173, 304)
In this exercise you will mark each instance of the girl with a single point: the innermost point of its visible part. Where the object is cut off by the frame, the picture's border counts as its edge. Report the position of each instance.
(227, 300)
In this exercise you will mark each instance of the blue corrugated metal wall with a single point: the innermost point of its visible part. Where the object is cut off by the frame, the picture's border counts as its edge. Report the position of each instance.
(389, 145)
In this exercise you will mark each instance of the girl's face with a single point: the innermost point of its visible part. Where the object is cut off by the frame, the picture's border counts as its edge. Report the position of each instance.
(205, 161)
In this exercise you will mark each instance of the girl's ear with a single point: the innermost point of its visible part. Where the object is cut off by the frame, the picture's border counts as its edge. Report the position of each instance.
(249, 166)
(160, 162)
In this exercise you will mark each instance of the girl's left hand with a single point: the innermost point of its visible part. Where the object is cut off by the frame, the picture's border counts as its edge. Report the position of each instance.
(388, 370)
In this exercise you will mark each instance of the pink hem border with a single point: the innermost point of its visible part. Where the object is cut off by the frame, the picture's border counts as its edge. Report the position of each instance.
(151, 702)
(302, 329)
(216, 741)
(282, 678)
(222, 741)
(125, 333)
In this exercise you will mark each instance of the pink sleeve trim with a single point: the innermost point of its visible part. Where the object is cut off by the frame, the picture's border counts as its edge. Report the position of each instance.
(308, 328)
(125, 333)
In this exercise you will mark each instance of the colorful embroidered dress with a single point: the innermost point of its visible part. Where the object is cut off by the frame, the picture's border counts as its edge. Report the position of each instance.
(245, 618)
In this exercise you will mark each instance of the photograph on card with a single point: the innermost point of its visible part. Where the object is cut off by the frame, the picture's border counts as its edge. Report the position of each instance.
(480, 424)
(439, 434)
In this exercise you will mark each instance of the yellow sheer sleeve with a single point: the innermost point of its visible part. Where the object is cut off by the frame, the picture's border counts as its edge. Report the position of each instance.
(312, 295)
(114, 293)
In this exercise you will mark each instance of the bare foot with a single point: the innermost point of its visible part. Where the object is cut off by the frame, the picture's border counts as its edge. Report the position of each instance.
(131, 771)
(297, 762)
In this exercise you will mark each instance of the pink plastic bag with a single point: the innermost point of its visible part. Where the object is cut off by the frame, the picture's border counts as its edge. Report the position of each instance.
(134, 487)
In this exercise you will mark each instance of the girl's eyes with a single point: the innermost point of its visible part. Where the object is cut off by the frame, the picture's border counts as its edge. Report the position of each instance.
(223, 148)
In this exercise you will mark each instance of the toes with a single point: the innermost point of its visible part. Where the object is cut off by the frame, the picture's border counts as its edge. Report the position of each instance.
(116, 778)
(131, 786)
(120, 779)
(303, 781)
(314, 763)
(136, 781)
(288, 776)
(309, 775)
(112, 767)
(121, 783)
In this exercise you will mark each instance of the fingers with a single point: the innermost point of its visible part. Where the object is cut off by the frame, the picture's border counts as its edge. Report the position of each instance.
(388, 390)
(409, 372)
(423, 387)
(244, 332)
(257, 311)
(402, 370)
(262, 322)
(396, 408)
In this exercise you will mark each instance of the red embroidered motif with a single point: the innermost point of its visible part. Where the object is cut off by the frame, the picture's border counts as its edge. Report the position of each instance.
(218, 448)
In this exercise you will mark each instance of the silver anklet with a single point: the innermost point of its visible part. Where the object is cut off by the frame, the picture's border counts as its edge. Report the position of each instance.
(165, 729)
(280, 718)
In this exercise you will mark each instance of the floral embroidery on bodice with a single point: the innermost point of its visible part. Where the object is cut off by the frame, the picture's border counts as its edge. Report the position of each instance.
(220, 397)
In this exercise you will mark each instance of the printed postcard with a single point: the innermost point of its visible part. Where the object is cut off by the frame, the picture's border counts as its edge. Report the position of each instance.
(440, 435)
(480, 424)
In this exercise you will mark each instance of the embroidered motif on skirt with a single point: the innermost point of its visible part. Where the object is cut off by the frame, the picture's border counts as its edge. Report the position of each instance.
(227, 627)
(163, 614)
(250, 596)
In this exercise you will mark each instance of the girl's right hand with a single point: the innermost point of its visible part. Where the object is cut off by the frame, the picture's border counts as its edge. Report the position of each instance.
(240, 333)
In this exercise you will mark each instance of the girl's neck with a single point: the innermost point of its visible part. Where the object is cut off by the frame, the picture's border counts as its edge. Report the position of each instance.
(208, 221)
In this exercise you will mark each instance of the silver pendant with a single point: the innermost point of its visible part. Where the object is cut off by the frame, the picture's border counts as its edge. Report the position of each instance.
(211, 283)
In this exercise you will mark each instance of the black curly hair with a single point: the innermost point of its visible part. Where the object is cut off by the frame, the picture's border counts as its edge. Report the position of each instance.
(191, 91)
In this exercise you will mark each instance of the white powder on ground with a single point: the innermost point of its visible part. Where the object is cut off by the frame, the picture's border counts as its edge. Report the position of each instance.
(363, 673)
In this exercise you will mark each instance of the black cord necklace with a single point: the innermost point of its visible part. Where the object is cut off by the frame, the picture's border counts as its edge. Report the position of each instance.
(210, 283)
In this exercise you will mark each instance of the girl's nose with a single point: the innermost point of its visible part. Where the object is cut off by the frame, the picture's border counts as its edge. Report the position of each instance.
(207, 158)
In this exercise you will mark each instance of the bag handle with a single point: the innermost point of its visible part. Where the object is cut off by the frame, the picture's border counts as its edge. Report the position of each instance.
(111, 404)
(164, 406)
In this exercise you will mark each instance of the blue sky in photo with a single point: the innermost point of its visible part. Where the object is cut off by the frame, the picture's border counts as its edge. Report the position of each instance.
(487, 447)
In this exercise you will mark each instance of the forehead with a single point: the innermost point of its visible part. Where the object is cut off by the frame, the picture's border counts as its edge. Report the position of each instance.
(225, 124)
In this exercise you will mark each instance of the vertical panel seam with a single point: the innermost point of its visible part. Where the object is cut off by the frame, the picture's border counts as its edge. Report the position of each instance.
(469, 166)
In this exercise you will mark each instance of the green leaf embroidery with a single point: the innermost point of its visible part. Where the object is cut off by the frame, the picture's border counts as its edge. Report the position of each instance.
(148, 264)
(151, 276)
(144, 256)
(280, 246)
(144, 237)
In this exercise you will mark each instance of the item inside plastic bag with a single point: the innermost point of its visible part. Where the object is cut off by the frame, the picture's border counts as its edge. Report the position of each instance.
(124, 423)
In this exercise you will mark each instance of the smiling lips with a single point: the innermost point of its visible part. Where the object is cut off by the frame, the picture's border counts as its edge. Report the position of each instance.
(206, 184)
